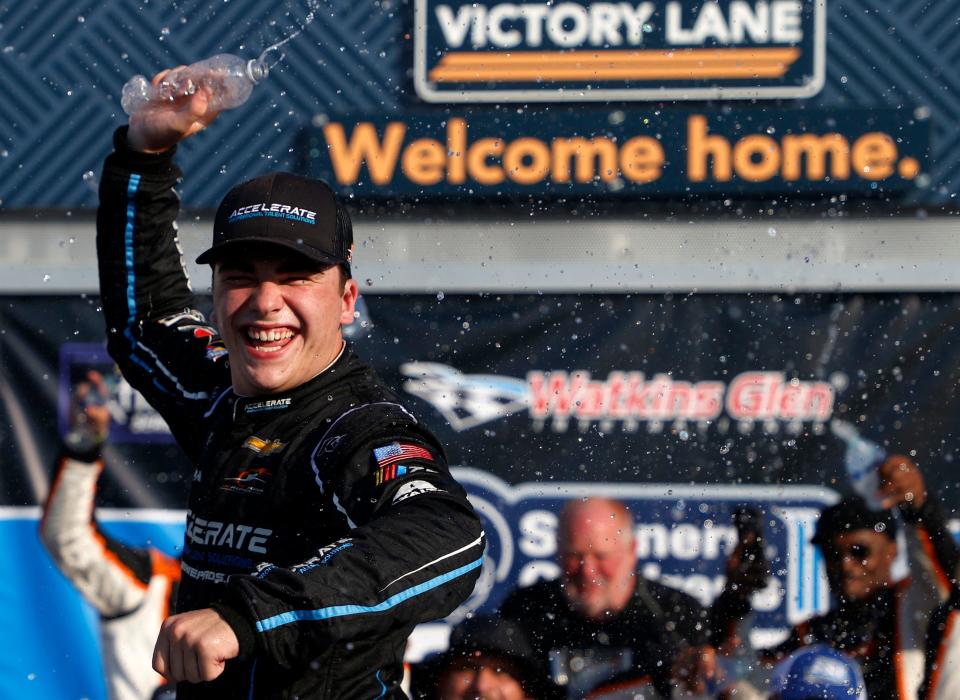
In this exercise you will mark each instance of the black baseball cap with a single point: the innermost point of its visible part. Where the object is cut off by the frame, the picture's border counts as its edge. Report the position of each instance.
(286, 210)
(852, 513)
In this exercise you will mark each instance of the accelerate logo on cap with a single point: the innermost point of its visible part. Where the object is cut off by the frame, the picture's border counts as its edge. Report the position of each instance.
(276, 210)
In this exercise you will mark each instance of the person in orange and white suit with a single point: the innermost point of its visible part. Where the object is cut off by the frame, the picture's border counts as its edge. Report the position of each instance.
(132, 588)
(942, 678)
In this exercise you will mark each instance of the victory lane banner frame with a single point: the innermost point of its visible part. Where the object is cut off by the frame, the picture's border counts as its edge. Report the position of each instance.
(582, 50)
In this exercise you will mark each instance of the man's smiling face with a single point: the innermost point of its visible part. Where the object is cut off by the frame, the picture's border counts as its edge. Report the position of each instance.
(279, 314)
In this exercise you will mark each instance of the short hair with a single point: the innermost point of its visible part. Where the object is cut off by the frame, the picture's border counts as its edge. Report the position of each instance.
(244, 252)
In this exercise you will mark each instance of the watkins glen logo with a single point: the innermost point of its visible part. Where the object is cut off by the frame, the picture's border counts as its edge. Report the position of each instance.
(579, 50)
(626, 398)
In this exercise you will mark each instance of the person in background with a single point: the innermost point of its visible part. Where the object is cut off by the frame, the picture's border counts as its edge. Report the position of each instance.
(489, 659)
(878, 621)
(132, 588)
(602, 627)
(942, 675)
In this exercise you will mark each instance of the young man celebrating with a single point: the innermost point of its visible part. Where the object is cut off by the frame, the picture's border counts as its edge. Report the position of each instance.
(323, 523)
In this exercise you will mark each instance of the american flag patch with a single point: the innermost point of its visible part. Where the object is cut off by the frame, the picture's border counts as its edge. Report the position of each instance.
(397, 452)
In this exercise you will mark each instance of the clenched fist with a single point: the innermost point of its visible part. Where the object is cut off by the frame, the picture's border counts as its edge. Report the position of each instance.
(194, 646)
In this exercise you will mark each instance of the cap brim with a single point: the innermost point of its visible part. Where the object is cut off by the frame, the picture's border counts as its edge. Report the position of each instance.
(211, 255)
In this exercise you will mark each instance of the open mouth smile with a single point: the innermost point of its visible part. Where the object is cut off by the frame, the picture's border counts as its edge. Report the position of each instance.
(268, 339)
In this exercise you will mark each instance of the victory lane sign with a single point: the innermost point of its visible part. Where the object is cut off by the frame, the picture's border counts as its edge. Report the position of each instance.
(654, 50)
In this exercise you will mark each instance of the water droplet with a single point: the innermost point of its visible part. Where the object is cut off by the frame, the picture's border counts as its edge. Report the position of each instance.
(772, 232)
(8, 49)
(440, 296)
(81, 19)
(369, 282)
(165, 31)
(46, 278)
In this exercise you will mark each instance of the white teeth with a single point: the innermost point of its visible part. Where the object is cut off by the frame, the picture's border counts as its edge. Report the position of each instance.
(269, 335)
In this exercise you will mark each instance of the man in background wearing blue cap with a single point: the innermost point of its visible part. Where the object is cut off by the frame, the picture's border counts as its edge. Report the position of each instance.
(323, 523)
(877, 620)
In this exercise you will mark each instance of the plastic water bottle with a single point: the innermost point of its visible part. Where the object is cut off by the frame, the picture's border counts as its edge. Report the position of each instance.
(862, 459)
(228, 79)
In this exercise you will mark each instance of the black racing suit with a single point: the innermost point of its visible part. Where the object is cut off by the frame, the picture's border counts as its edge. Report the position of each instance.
(323, 523)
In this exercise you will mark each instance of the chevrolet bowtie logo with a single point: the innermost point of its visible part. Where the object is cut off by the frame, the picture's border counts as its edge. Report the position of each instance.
(263, 447)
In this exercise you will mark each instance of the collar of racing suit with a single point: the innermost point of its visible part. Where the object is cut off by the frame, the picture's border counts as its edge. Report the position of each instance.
(251, 407)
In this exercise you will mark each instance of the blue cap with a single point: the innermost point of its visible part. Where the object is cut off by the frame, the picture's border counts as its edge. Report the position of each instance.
(818, 672)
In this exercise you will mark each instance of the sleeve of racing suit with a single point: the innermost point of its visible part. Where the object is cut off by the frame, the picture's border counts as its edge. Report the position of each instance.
(160, 341)
(942, 676)
(933, 557)
(413, 555)
(110, 575)
(933, 548)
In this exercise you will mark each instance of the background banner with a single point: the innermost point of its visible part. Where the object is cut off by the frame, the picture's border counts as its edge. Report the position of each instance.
(434, 60)
(685, 406)
(619, 153)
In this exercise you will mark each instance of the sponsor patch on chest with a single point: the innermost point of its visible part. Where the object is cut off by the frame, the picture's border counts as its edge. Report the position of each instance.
(252, 480)
(263, 447)
(268, 405)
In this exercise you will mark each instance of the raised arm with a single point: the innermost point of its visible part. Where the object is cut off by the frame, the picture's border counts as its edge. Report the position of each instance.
(161, 342)
(932, 550)
(110, 575)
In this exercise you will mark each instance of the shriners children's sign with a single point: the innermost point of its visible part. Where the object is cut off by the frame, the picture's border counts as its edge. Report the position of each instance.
(537, 50)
